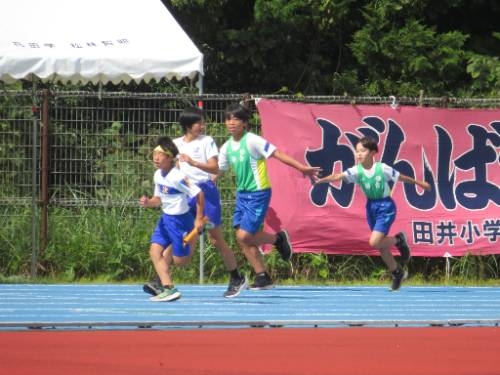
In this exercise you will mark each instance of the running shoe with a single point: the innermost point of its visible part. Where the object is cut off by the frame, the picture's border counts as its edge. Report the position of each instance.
(154, 287)
(398, 276)
(404, 249)
(167, 295)
(235, 287)
(262, 282)
(283, 245)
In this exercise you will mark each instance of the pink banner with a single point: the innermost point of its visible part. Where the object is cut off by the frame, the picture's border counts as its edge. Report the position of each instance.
(455, 150)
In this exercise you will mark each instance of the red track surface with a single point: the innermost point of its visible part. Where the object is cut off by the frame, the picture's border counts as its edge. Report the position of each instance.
(264, 351)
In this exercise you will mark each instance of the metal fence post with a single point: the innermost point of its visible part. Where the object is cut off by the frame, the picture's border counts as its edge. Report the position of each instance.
(34, 193)
(202, 257)
(44, 171)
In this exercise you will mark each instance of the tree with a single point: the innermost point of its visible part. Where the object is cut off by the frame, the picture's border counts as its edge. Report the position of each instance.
(366, 47)
(399, 55)
(268, 45)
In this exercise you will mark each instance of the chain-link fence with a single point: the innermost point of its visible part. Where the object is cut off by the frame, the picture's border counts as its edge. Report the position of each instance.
(62, 152)
(93, 153)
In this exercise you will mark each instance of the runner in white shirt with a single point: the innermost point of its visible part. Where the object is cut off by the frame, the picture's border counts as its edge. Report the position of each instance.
(172, 192)
(198, 155)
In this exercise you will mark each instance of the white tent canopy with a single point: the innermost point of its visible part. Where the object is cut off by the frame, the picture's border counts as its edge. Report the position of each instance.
(94, 41)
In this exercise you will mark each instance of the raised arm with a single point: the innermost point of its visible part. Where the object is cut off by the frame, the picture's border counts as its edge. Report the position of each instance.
(288, 160)
(408, 180)
(330, 178)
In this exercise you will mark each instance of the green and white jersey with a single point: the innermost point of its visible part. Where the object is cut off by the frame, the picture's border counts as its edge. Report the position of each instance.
(247, 158)
(373, 181)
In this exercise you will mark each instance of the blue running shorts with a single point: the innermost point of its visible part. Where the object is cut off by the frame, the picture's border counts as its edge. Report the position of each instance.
(251, 208)
(380, 214)
(213, 208)
(171, 229)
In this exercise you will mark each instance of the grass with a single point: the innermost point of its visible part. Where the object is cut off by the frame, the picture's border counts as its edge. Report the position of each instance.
(377, 276)
(110, 245)
(415, 281)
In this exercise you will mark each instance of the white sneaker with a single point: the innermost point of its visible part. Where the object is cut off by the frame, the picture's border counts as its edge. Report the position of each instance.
(167, 295)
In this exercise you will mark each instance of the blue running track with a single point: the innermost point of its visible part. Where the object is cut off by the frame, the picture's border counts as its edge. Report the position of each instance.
(111, 306)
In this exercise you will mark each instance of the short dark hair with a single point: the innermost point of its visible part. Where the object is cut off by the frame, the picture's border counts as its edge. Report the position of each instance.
(189, 117)
(167, 144)
(237, 111)
(368, 143)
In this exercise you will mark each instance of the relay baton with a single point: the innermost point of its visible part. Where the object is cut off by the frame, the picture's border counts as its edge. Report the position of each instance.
(188, 237)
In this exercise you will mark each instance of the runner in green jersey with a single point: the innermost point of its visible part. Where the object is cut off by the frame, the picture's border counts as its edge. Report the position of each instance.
(246, 153)
(373, 178)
